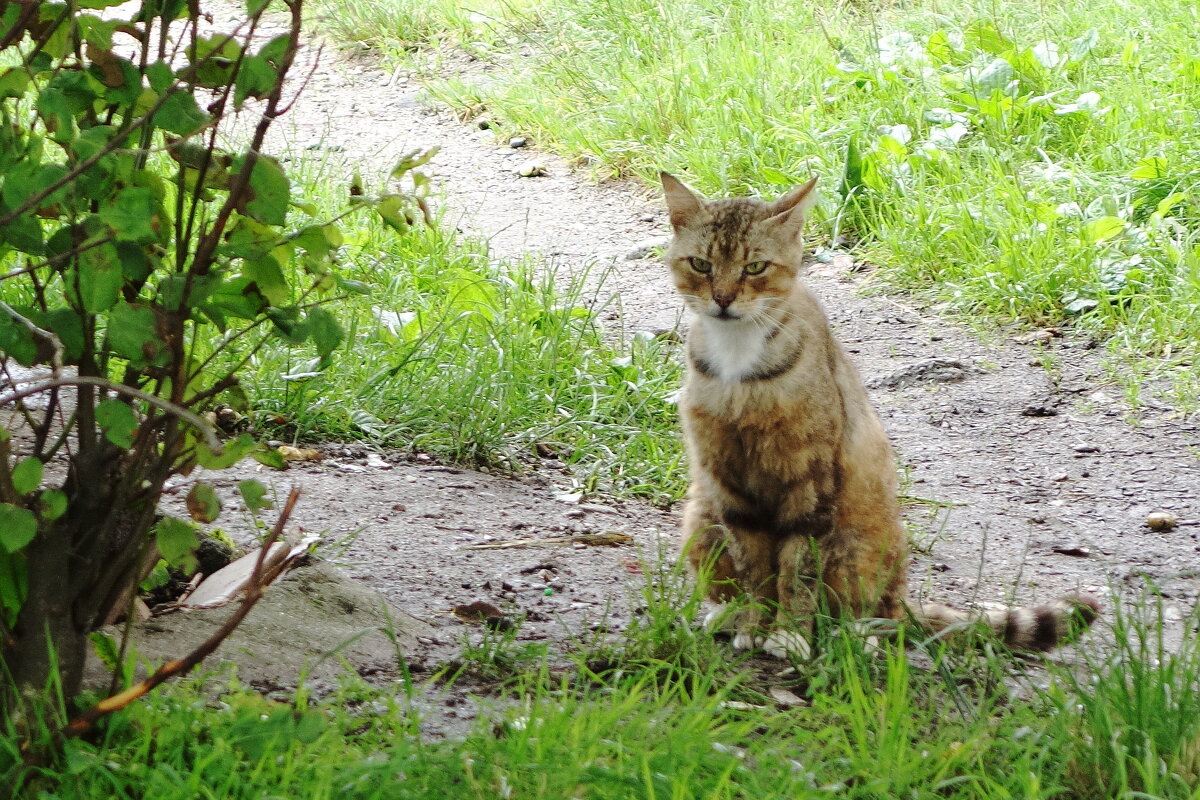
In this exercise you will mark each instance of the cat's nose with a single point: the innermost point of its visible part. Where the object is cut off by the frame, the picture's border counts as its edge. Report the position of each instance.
(723, 299)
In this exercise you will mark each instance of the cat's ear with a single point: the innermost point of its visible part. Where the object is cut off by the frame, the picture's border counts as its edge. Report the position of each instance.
(686, 206)
(790, 210)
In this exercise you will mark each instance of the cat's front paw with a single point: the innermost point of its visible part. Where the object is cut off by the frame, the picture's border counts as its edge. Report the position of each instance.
(720, 620)
(747, 640)
(787, 645)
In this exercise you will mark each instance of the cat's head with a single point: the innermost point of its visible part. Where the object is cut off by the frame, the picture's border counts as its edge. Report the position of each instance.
(733, 259)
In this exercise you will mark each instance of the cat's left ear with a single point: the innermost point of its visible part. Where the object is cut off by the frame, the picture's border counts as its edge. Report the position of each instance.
(791, 210)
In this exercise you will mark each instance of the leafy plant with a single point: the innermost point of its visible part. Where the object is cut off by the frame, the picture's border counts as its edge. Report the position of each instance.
(139, 253)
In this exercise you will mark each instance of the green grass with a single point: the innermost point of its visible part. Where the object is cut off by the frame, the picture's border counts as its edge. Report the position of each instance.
(490, 363)
(1032, 163)
(665, 712)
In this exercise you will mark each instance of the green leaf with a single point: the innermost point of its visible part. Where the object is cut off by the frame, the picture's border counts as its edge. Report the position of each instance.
(1149, 169)
(67, 325)
(256, 79)
(13, 82)
(180, 114)
(14, 586)
(1103, 229)
(105, 646)
(17, 527)
(133, 334)
(17, 341)
(269, 279)
(27, 475)
(132, 215)
(118, 422)
(254, 494)
(391, 210)
(269, 458)
(202, 503)
(230, 454)
(177, 542)
(269, 191)
(99, 278)
(53, 504)
(326, 331)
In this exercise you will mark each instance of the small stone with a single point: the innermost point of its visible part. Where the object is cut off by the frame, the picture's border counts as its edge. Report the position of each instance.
(483, 124)
(646, 248)
(941, 567)
(518, 141)
(531, 169)
(1161, 520)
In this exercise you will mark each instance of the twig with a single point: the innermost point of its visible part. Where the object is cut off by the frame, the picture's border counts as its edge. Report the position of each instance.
(265, 572)
(198, 422)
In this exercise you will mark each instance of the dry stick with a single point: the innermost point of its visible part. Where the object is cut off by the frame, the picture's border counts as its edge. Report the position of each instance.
(265, 571)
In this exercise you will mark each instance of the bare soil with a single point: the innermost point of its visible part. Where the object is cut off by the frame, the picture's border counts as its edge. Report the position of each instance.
(1025, 482)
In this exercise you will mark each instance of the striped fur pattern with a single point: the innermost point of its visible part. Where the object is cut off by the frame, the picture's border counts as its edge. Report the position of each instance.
(793, 496)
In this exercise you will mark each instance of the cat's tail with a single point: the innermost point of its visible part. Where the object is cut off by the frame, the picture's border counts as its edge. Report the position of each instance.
(1037, 628)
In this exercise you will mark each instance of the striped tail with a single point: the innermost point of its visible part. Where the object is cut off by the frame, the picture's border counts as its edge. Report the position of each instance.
(1038, 629)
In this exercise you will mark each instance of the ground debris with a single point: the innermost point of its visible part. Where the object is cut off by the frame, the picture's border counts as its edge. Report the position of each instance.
(608, 538)
(929, 370)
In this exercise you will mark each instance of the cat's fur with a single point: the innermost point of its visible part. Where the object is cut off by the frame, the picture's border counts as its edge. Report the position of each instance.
(793, 496)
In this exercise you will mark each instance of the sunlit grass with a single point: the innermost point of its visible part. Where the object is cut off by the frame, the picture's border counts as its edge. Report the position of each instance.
(1029, 163)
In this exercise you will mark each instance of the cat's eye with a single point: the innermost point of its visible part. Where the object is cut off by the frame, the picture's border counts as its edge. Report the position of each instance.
(700, 265)
(756, 268)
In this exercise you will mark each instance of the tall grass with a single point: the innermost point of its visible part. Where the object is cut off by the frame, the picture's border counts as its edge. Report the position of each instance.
(1037, 163)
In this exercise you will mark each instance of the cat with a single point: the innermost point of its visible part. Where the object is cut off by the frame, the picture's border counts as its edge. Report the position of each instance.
(793, 497)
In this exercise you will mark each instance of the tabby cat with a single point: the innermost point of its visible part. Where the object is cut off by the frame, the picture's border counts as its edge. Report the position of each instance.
(793, 488)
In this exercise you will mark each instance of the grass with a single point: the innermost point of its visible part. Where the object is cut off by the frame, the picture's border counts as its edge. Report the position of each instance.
(1031, 164)
(489, 363)
(665, 712)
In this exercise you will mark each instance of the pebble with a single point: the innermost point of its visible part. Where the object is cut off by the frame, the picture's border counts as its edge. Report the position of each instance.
(1161, 521)
(531, 169)
(483, 124)
(646, 248)
(518, 141)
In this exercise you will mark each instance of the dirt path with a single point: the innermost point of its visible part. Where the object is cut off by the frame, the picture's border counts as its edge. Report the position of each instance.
(1026, 484)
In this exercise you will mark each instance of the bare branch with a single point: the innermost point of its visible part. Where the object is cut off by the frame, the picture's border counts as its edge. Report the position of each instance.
(265, 572)
(193, 419)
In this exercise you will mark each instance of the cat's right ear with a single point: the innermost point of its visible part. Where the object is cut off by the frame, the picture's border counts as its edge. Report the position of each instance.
(686, 207)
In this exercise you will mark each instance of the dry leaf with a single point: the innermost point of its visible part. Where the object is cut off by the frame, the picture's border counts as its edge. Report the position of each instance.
(290, 453)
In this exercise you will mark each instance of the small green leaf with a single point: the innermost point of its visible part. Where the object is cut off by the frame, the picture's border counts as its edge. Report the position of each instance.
(269, 191)
(105, 646)
(53, 504)
(269, 458)
(269, 279)
(326, 331)
(230, 454)
(133, 334)
(17, 527)
(391, 210)
(99, 278)
(27, 475)
(177, 542)
(202, 503)
(254, 494)
(132, 215)
(118, 422)
(1149, 169)
(180, 114)
(17, 341)
(13, 82)
(14, 586)
(256, 79)
(1103, 229)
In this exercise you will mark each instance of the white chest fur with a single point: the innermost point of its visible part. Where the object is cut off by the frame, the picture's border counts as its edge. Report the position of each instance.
(730, 349)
